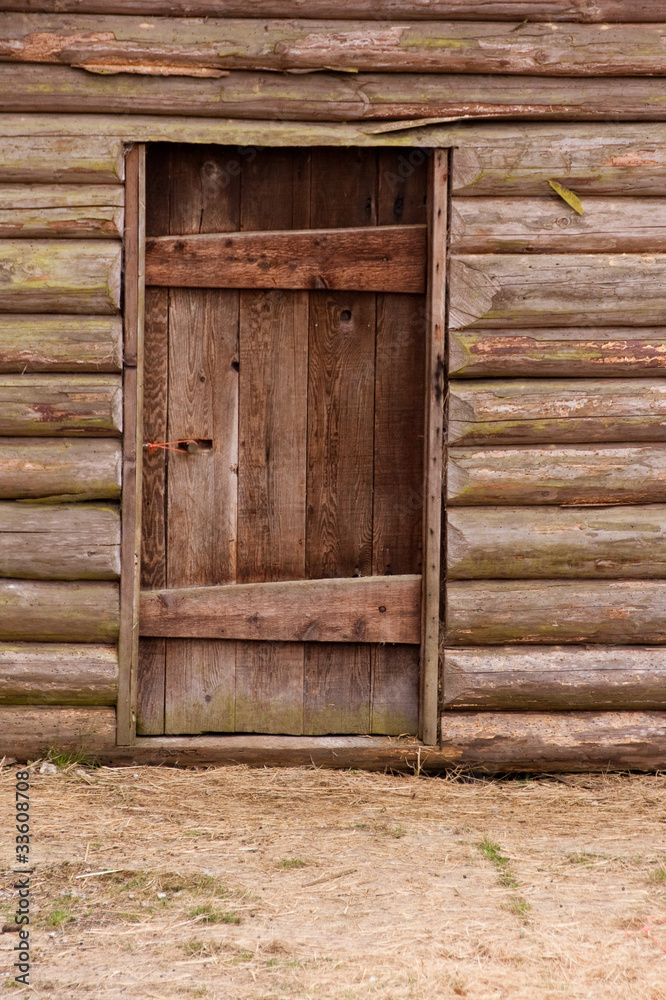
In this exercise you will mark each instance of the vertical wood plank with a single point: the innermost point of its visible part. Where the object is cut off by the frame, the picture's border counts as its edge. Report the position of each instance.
(432, 461)
(272, 443)
(203, 404)
(130, 552)
(398, 469)
(340, 441)
(152, 652)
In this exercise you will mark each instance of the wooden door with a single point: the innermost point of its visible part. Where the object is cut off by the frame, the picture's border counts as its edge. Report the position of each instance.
(284, 416)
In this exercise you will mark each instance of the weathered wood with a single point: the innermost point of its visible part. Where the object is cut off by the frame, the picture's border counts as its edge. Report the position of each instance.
(550, 542)
(60, 276)
(555, 677)
(59, 542)
(58, 612)
(28, 733)
(484, 10)
(359, 609)
(151, 674)
(433, 431)
(202, 489)
(549, 225)
(70, 159)
(552, 611)
(515, 411)
(30, 87)
(32, 468)
(61, 210)
(498, 290)
(341, 447)
(60, 343)
(47, 405)
(558, 351)
(566, 741)
(272, 439)
(130, 554)
(381, 258)
(109, 43)
(519, 160)
(57, 674)
(394, 697)
(578, 475)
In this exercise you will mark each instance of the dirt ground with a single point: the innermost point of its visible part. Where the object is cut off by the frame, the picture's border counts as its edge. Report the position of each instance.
(241, 884)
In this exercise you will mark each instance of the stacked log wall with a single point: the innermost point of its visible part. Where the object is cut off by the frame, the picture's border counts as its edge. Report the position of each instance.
(61, 362)
(556, 427)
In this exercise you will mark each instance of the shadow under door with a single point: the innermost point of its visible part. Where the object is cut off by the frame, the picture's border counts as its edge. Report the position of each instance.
(284, 439)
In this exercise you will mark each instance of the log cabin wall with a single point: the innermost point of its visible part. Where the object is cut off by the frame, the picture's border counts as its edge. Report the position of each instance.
(553, 635)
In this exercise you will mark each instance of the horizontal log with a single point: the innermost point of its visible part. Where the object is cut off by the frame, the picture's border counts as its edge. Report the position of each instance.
(550, 741)
(550, 225)
(380, 258)
(519, 161)
(558, 351)
(77, 276)
(533, 411)
(29, 87)
(550, 542)
(59, 542)
(34, 468)
(360, 609)
(551, 678)
(40, 343)
(61, 210)
(51, 673)
(27, 733)
(577, 475)
(484, 10)
(71, 159)
(518, 290)
(494, 612)
(45, 405)
(108, 43)
(58, 612)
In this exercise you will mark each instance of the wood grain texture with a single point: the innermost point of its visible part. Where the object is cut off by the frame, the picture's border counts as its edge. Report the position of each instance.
(549, 225)
(201, 506)
(330, 671)
(34, 468)
(61, 210)
(331, 97)
(550, 542)
(551, 741)
(71, 405)
(111, 43)
(515, 411)
(553, 678)
(394, 698)
(69, 159)
(58, 612)
(493, 612)
(483, 10)
(155, 390)
(519, 160)
(58, 674)
(578, 475)
(361, 609)
(558, 351)
(380, 259)
(28, 732)
(272, 436)
(60, 343)
(59, 542)
(60, 276)
(151, 675)
(199, 693)
(498, 290)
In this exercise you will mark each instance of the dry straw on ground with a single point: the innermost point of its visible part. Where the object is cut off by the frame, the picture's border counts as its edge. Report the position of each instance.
(309, 884)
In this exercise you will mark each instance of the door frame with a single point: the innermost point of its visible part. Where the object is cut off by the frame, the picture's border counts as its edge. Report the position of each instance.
(435, 392)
